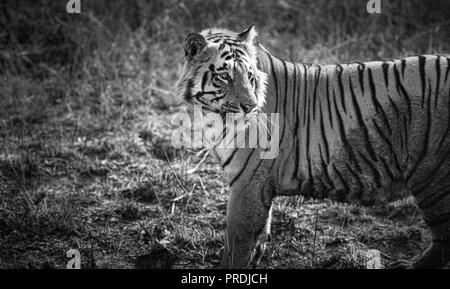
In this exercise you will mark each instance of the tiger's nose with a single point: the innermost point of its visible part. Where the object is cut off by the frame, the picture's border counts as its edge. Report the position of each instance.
(247, 107)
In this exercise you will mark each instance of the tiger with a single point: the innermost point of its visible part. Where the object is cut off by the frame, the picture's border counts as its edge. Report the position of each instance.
(365, 132)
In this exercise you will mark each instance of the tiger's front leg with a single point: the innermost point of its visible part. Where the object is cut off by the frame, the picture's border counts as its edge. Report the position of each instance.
(248, 220)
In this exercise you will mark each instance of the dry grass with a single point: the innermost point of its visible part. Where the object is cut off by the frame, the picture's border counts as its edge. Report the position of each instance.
(85, 155)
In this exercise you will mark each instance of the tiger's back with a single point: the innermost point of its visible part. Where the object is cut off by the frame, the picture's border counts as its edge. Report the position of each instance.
(367, 132)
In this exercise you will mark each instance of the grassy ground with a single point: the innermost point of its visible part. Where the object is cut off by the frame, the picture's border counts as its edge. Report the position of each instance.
(85, 155)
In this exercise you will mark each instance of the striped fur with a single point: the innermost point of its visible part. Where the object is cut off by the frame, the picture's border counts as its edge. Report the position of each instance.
(365, 133)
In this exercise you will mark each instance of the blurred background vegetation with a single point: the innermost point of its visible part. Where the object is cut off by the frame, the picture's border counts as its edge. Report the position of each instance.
(127, 39)
(85, 105)
(141, 40)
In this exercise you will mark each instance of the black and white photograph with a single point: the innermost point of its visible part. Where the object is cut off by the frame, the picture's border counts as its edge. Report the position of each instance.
(225, 134)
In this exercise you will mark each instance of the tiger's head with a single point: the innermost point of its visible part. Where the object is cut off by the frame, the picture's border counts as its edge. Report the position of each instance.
(220, 72)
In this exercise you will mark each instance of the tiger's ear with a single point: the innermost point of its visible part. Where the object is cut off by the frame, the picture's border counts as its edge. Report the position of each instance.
(248, 35)
(193, 44)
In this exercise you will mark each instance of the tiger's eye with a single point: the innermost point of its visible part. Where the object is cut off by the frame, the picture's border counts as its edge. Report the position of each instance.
(224, 75)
